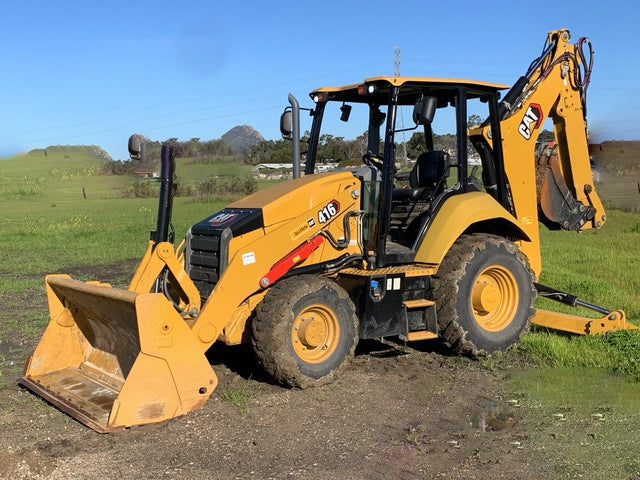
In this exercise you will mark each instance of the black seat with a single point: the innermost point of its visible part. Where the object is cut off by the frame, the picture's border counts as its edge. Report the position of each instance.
(426, 177)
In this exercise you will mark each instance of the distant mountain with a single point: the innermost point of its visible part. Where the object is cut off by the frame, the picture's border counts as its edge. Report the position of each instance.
(242, 137)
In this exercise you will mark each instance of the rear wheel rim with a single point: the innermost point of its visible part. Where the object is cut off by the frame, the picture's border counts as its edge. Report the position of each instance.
(495, 298)
(315, 333)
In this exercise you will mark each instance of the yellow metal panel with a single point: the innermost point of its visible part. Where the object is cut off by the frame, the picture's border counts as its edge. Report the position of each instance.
(397, 81)
(456, 215)
(421, 335)
(289, 199)
(171, 375)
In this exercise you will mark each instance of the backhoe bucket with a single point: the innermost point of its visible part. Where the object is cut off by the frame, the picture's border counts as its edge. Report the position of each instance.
(113, 358)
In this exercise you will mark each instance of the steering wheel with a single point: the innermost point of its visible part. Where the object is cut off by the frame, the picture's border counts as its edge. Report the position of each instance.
(373, 160)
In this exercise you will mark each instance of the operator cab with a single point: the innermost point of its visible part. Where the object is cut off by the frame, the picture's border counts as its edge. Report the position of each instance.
(422, 140)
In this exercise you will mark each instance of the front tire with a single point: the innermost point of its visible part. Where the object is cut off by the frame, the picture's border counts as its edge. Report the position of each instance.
(484, 294)
(304, 331)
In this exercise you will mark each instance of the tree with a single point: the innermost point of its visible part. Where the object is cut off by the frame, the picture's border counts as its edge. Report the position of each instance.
(546, 136)
(269, 151)
(416, 145)
(474, 120)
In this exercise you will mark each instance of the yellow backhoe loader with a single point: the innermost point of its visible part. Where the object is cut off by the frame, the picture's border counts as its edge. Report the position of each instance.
(307, 267)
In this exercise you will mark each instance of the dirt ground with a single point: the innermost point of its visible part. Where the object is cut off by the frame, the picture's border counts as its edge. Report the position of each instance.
(396, 413)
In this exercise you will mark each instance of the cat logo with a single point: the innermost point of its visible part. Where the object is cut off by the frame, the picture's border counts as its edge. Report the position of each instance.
(294, 234)
(222, 218)
(531, 120)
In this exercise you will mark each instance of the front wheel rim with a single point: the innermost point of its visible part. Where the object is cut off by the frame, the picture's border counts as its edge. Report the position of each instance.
(495, 298)
(315, 333)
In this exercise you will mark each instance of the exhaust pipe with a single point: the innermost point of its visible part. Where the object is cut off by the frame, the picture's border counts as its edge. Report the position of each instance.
(137, 151)
(295, 120)
(290, 129)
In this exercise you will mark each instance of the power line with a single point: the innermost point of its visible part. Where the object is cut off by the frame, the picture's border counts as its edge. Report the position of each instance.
(396, 73)
(157, 127)
(188, 100)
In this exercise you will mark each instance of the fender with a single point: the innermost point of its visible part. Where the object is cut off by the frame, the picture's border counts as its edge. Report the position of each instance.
(462, 211)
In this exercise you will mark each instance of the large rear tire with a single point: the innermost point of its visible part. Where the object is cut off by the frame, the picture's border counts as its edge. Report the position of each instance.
(484, 294)
(304, 331)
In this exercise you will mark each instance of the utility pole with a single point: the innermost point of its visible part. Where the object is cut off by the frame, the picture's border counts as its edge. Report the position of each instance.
(396, 73)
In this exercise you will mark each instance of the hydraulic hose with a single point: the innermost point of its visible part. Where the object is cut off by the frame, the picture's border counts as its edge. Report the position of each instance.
(325, 267)
(510, 100)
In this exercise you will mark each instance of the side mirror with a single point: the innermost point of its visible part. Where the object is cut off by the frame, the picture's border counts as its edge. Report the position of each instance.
(136, 146)
(286, 124)
(424, 110)
(345, 111)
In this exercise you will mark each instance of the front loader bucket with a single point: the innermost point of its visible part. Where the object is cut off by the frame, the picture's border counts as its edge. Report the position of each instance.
(112, 358)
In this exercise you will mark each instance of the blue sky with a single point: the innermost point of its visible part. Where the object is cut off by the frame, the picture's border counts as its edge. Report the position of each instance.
(82, 72)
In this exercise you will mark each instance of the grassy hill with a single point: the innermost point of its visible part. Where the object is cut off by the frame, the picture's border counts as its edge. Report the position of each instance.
(59, 173)
(58, 211)
(56, 174)
(190, 170)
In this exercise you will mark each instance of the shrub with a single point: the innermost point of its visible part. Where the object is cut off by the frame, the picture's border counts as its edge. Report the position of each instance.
(144, 189)
(222, 187)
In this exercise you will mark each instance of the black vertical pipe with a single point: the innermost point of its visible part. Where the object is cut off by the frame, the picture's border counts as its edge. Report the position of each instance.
(498, 155)
(295, 132)
(314, 137)
(373, 142)
(461, 129)
(388, 166)
(165, 202)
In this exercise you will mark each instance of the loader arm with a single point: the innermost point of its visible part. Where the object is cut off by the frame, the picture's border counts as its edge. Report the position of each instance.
(163, 260)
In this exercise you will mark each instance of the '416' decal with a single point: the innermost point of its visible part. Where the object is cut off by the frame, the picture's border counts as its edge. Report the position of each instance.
(329, 211)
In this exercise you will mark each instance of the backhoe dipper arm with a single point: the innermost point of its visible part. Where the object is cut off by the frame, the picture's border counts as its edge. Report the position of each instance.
(553, 87)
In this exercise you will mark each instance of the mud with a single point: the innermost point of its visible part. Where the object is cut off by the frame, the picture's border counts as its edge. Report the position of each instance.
(397, 412)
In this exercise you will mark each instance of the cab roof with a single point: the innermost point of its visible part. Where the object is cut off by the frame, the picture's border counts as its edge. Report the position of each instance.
(439, 87)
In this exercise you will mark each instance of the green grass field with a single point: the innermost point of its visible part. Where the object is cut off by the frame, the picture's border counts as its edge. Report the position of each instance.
(48, 226)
